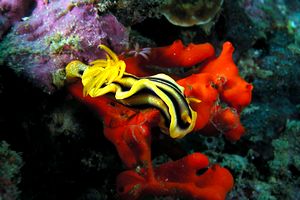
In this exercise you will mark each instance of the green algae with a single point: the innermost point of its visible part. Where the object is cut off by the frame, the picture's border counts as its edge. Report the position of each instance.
(58, 42)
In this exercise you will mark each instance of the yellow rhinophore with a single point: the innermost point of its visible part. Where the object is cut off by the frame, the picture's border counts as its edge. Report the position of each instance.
(99, 72)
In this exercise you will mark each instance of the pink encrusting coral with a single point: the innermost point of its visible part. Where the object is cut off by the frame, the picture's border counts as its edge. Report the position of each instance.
(55, 33)
(11, 11)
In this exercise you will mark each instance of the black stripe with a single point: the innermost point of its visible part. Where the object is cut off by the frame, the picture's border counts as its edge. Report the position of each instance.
(144, 106)
(160, 80)
(180, 122)
(178, 92)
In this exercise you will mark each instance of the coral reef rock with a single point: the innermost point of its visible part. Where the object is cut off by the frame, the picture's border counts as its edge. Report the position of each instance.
(56, 33)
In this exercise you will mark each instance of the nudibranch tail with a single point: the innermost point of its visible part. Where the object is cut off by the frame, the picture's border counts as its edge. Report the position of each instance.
(108, 75)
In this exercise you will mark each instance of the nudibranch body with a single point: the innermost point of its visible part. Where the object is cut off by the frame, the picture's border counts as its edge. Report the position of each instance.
(108, 75)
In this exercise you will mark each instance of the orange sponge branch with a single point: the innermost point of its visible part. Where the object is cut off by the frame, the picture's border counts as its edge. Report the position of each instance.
(174, 55)
(223, 94)
(130, 131)
(177, 55)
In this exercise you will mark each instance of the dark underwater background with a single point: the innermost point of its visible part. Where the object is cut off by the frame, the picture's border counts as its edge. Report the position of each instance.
(52, 147)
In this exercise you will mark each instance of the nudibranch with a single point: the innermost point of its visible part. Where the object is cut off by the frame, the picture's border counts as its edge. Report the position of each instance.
(108, 75)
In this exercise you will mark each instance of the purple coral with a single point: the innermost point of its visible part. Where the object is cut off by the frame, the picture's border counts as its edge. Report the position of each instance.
(56, 33)
(12, 11)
